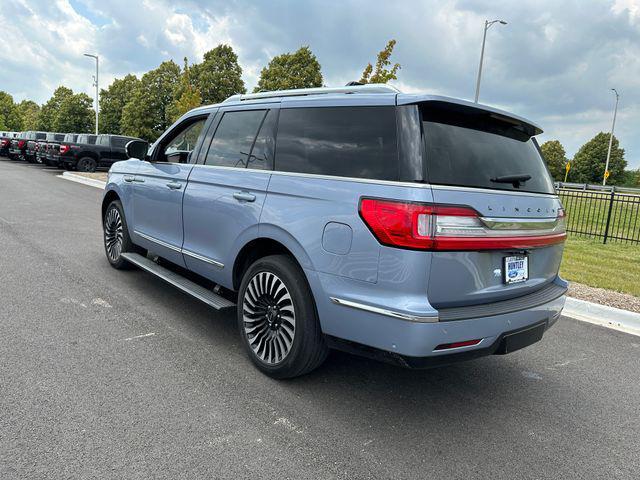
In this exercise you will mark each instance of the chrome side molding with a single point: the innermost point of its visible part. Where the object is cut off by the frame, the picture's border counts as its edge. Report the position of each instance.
(388, 313)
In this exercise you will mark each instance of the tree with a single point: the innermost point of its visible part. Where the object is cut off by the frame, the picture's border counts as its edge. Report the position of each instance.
(381, 74)
(187, 96)
(75, 115)
(28, 113)
(50, 109)
(219, 75)
(147, 113)
(9, 118)
(631, 178)
(300, 69)
(112, 102)
(589, 162)
(555, 157)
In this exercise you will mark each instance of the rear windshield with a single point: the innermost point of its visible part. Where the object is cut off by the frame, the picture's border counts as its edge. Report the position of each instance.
(482, 151)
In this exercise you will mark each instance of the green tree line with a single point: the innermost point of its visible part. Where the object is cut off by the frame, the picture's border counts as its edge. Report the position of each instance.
(144, 107)
(588, 164)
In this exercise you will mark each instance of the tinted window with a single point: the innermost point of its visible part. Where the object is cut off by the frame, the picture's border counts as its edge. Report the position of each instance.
(232, 142)
(357, 142)
(481, 152)
(87, 139)
(262, 153)
(119, 142)
(59, 137)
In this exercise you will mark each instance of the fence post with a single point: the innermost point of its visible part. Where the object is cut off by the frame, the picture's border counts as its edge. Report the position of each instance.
(606, 229)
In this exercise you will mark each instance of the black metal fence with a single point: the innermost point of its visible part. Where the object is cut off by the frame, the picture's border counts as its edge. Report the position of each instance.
(609, 214)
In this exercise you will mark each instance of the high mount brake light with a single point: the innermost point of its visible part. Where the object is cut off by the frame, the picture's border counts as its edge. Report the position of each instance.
(421, 226)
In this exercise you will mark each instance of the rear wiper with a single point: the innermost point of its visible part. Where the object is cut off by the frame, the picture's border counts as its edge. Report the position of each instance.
(515, 180)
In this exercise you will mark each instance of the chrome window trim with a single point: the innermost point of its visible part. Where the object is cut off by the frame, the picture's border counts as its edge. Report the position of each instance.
(383, 311)
(380, 182)
(180, 250)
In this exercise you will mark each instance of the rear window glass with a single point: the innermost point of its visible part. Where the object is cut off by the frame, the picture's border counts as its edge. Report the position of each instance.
(358, 142)
(87, 139)
(482, 151)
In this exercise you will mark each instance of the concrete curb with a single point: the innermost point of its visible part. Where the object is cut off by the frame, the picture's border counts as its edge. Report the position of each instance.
(615, 318)
(73, 177)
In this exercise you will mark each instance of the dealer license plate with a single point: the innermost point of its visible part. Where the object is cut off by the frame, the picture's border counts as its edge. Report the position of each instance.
(516, 269)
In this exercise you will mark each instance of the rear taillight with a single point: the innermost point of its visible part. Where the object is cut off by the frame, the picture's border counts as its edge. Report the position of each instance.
(4, 143)
(64, 148)
(21, 143)
(420, 226)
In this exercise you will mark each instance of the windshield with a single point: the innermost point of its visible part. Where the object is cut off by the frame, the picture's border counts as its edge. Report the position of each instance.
(482, 152)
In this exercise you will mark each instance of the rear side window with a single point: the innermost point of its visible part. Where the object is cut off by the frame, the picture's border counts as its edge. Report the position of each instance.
(483, 152)
(119, 142)
(234, 137)
(87, 139)
(357, 142)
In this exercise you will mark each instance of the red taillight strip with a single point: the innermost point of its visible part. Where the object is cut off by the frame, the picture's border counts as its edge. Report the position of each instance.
(498, 243)
(466, 343)
(421, 226)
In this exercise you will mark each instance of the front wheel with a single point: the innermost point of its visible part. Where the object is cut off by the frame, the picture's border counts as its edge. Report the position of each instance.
(116, 236)
(277, 318)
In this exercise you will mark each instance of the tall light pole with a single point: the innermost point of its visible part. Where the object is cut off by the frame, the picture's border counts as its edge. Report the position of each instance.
(613, 125)
(487, 25)
(95, 83)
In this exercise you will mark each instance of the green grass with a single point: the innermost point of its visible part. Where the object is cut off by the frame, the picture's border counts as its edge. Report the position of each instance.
(613, 266)
(587, 214)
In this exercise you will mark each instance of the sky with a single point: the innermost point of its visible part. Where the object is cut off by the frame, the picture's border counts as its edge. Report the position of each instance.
(554, 62)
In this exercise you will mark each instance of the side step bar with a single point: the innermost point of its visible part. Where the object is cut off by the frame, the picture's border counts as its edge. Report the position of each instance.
(207, 296)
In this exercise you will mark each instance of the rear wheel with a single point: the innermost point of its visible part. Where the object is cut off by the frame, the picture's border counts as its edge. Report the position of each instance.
(87, 164)
(277, 318)
(116, 236)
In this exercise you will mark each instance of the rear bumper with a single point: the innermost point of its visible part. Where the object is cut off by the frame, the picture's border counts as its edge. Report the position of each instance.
(415, 341)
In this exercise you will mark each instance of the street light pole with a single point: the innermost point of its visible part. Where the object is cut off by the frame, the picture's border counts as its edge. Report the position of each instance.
(487, 25)
(613, 125)
(96, 85)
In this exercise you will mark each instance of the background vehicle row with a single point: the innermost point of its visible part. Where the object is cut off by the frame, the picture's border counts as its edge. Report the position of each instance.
(72, 151)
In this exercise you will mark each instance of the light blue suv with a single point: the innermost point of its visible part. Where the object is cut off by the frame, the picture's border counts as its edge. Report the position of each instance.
(415, 229)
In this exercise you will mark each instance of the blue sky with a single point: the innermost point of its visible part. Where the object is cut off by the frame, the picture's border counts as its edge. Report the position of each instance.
(554, 62)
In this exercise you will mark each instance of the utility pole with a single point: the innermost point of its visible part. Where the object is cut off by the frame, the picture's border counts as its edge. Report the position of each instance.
(95, 84)
(613, 125)
(487, 25)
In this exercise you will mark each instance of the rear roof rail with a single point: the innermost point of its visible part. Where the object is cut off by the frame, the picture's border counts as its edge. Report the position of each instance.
(369, 88)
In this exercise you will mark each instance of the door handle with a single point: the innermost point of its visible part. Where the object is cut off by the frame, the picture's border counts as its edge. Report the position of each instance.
(244, 196)
(174, 185)
(128, 178)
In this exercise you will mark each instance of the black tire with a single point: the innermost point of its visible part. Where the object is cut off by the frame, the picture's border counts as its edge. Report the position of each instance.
(116, 239)
(274, 349)
(87, 164)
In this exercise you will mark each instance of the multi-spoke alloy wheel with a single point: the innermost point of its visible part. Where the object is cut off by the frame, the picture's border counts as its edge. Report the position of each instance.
(269, 317)
(113, 234)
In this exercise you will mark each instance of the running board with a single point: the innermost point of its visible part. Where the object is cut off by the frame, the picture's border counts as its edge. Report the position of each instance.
(197, 291)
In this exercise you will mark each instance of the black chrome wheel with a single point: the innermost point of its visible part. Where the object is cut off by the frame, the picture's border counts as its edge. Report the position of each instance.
(113, 234)
(269, 317)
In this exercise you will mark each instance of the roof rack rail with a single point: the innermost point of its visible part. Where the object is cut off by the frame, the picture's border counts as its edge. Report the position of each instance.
(368, 88)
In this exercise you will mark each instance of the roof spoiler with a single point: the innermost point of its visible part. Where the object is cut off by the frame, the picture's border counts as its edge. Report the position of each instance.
(463, 106)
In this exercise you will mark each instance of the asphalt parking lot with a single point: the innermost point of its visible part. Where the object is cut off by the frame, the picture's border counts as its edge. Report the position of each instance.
(109, 374)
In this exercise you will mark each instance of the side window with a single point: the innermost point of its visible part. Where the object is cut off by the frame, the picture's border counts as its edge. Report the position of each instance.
(186, 140)
(91, 139)
(262, 153)
(358, 142)
(119, 142)
(232, 142)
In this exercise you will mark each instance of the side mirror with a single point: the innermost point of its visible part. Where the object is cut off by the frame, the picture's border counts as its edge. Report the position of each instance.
(137, 149)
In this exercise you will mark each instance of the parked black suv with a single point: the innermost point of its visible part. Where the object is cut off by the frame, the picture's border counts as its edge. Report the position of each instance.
(53, 157)
(48, 146)
(86, 157)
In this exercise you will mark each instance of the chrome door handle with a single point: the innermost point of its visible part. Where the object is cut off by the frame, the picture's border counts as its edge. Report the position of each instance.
(174, 185)
(129, 178)
(244, 196)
